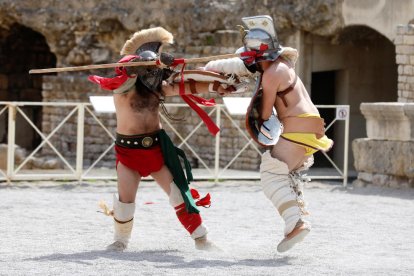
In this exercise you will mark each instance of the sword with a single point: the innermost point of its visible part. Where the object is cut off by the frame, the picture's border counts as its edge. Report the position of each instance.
(130, 64)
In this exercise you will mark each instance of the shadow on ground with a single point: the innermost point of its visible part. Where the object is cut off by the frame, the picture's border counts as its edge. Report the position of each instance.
(166, 257)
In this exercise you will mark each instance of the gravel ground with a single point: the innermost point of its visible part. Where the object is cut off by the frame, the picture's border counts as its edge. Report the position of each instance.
(53, 228)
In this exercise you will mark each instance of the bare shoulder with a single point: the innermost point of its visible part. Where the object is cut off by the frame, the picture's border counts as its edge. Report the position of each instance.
(276, 76)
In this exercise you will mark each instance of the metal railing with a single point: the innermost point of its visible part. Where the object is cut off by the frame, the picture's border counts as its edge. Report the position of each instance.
(14, 172)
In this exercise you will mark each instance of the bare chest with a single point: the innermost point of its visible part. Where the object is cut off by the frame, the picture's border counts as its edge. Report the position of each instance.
(135, 102)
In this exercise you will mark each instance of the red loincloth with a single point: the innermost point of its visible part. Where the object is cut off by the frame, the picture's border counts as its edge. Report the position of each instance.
(144, 161)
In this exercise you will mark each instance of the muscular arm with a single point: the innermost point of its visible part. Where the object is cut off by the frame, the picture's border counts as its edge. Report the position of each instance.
(275, 78)
(270, 85)
(200, 88)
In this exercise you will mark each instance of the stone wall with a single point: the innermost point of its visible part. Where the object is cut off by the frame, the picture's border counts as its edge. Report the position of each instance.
(84, 32)
(404, 44)
(74, 88)
(92, 32)
(386, 157)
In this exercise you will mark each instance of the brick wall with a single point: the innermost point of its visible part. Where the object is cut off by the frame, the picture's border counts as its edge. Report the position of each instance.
(404, 43)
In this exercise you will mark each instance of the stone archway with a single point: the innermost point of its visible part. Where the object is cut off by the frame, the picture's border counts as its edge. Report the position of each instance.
(361, 63)
(22, 49)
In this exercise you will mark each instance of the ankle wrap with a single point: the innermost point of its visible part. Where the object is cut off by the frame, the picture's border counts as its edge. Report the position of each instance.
(123, 220)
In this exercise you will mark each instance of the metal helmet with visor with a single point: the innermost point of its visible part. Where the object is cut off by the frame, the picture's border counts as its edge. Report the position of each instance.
(260, 38)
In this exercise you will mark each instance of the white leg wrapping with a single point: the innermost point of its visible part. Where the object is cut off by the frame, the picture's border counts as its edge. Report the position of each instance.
(123, 222)
(175, 195)
(176, 199)
(200, 231)
(277, 186)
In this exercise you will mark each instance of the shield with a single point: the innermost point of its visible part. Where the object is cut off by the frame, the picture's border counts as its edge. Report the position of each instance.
(265, 133)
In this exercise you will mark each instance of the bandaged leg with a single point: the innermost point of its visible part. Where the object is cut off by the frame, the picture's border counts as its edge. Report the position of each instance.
(123, 221)
(299, 179)
(278, 188)
(192, 222)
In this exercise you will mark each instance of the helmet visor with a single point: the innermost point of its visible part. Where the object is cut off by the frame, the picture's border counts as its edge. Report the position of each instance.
(256, 37)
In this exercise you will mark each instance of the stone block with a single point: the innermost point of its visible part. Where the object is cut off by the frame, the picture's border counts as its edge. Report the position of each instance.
(408, 39)
(383, 180)
(402, 78)
(410, 79)
(408, 69)
(383, 157)
(386, 121)
(409, 113)
(403, 59)
(364, 176)
(227, 38)
(404, 49)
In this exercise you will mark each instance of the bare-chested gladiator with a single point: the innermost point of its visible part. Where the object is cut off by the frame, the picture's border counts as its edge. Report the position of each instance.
(291, 135)
(142, 147)
(303, 131)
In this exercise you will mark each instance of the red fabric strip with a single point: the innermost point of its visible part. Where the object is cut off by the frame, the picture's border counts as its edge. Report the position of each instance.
(115, 82)
(204, 202)
(191, 99)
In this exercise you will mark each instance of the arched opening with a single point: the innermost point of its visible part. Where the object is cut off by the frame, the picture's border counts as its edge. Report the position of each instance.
(356, 66)
(22, 49)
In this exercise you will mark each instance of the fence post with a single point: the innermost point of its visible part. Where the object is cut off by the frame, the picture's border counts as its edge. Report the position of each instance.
(346, 146)
(79, 141)
(11, 136)
(217, 146)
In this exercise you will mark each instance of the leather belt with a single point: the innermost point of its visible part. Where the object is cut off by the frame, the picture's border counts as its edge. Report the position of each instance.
(142, 141)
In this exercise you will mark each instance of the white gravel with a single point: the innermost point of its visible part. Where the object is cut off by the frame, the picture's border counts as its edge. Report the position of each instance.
(52, 228)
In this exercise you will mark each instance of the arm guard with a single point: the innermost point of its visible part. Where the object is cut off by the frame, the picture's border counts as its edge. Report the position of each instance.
(230, 66)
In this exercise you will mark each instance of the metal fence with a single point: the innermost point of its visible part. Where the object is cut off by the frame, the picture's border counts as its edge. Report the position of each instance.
(77, 171)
